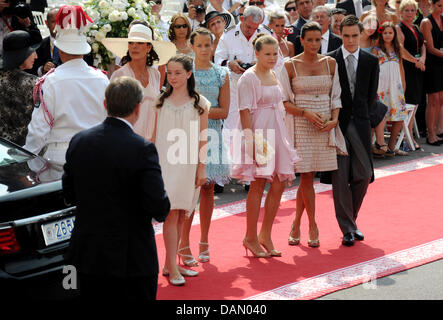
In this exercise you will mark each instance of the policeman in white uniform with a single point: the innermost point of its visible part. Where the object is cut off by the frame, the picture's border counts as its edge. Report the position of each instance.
(71, 96)
(234, 50)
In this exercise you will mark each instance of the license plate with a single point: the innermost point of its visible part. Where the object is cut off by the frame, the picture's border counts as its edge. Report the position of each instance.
(58, 231)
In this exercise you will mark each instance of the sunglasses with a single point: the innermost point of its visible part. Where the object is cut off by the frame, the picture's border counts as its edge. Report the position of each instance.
(158, 2)
(289, 9)
(178, 26)
(256, 3)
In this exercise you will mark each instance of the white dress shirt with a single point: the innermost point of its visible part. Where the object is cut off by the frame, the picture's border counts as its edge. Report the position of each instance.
(324, 42)
(346, 53)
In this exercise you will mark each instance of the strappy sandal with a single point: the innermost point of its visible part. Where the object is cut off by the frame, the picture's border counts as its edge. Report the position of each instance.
(378, 151)
(191, 262)
(399, 152)
(204, 255)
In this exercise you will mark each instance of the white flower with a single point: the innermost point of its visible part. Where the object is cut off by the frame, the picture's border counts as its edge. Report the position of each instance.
(106, 28)
(114, 16)
(131, 12)
(99, 36)
(124, 16)
(95, 47)
(103, 4)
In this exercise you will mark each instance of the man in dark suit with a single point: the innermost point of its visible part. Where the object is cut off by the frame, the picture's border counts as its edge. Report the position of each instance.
(304, 9)
(358, 73)
(354, 7)
(47, 54)
(114, 177)
(330, 41)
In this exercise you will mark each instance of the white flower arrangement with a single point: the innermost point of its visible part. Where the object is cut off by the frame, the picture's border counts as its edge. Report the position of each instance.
(263, 150)
(111, 20)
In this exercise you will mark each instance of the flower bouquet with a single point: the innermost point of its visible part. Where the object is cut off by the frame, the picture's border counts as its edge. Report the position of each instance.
(263, 150)
(111, 19)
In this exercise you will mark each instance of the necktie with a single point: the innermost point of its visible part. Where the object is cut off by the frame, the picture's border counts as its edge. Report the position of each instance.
(358, 8)
(351, 72)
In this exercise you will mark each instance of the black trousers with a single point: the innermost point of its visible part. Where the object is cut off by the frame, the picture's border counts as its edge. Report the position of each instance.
(104, 288)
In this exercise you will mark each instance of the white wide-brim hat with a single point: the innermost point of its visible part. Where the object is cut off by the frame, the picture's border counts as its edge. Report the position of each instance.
(72, 41)
(141, 33)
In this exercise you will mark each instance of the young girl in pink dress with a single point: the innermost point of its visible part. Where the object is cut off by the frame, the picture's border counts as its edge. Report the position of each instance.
(261, 121)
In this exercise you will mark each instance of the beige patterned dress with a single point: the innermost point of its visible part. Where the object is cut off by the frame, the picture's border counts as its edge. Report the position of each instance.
(318, 94)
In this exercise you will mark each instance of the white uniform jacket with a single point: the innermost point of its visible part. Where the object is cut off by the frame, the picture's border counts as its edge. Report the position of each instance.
(74, 95)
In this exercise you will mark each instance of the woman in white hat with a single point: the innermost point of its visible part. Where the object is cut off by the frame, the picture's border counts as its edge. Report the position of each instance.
(139, 52)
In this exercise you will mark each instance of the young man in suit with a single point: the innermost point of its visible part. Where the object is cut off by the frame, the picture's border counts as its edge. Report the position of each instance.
(358, 73)
(329, 41)
(354, 7)
(114, 177)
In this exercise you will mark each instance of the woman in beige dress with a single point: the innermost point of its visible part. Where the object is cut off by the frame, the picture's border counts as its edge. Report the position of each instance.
(313, 79)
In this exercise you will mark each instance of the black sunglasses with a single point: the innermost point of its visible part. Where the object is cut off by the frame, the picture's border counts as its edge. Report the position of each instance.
(291, 9)
(178, 26)
(256, 3)
(158, 2)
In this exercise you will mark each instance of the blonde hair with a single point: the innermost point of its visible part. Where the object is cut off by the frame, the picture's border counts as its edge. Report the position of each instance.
(407, 3)
(262, 39)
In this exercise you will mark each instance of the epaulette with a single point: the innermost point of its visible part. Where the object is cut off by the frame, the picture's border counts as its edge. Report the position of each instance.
(230, 28)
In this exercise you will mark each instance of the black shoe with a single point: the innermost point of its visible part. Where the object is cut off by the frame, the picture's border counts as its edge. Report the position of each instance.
(435, 143)
(358, 235)
(218, 188)
(440, 135)
(247, 187)
(348, 239)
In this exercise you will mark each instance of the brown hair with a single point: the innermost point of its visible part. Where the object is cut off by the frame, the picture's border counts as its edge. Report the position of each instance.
(122, 96)
(395, 43)
(310, 26)
(349, 21)
(171, 32)
(188, 65)
(201, 32)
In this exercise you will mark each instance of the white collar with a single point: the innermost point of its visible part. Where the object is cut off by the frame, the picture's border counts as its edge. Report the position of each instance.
(325, 35)
(346, 53)
(127, 122)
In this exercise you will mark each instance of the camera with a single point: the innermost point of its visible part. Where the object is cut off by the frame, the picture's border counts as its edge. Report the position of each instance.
(200, 9)
(245, 65)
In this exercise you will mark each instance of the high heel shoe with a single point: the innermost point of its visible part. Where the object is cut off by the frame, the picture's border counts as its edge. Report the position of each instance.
(314, 243)
(291, 240)
(191, 262)
(255, 254)
(204, 255)
(272, 252)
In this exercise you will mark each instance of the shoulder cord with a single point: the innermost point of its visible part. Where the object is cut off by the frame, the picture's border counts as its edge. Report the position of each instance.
(38, 91)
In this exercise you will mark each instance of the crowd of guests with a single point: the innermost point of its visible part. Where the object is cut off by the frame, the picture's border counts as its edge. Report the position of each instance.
(233, 90)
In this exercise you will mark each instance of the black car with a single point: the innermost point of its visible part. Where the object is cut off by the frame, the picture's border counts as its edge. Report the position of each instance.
(35, 221)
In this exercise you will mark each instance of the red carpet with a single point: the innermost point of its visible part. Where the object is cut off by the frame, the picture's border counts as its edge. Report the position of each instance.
(400, 212)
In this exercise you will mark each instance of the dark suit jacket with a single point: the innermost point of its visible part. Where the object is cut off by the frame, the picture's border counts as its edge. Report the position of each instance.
(358, 107)
(334, 42)
(348, 5)
(296, 30)
(113, 176)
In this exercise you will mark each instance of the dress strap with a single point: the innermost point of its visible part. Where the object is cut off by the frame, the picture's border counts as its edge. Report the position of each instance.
(327, 63)
(292, 61)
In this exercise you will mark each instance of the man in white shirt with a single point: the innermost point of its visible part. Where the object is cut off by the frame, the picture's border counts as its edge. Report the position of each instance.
(329, 41)
(71, 97)
(196, 13)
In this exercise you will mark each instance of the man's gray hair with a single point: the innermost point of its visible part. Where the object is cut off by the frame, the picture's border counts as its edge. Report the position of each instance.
(255, 12)
(275, 15)
(321, 8)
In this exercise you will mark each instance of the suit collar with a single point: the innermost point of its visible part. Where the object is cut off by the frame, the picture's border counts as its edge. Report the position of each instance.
(117, 122)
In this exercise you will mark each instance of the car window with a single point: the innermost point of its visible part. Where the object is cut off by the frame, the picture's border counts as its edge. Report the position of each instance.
(10, 154)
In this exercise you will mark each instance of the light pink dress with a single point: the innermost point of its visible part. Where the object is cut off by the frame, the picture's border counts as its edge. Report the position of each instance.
(264, 103)
(146, 120)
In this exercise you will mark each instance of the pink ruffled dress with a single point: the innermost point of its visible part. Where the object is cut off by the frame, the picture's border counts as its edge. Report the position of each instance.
(264, 104)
